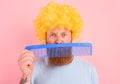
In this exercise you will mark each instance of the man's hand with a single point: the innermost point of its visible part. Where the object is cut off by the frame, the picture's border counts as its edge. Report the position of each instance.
(26, 63)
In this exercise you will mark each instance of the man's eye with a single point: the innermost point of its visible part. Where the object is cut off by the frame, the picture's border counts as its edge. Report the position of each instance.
(52, 34)
(64, 34)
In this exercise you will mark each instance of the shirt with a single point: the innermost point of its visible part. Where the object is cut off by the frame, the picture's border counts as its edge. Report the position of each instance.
(77, 72)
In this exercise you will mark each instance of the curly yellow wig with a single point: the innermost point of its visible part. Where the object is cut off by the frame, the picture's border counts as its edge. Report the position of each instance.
(57, 16)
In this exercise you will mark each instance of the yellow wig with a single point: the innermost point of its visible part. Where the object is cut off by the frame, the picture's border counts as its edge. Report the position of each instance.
(57, 16)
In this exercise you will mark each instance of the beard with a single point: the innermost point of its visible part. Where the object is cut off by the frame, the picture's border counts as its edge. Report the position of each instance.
(60, 61)
(60, 56)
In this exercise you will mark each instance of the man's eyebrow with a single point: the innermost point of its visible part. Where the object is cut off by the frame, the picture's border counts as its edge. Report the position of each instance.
(64, 32)
(67, 31)
(52, 32)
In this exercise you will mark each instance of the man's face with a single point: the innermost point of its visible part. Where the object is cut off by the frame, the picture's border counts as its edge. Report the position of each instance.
(59, 36)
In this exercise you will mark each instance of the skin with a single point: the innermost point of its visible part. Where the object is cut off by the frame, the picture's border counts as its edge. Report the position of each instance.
(26, 64)
(59, 36)
(53, 36)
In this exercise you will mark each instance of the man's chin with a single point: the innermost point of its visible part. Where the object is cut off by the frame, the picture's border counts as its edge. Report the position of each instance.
(60, 61)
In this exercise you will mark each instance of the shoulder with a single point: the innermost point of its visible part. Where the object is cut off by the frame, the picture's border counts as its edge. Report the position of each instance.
(83, 63)
(90, 69)
(86, 66)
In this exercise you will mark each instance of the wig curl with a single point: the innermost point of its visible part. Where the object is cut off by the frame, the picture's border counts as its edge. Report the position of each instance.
(57, 16)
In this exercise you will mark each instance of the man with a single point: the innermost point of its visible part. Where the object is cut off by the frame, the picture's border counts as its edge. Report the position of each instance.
(57, 24)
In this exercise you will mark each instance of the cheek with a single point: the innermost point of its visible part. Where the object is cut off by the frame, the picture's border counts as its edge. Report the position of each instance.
(50, 41)
(68, 39)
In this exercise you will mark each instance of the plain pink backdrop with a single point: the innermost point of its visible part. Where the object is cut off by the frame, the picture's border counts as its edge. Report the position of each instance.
(101, 28)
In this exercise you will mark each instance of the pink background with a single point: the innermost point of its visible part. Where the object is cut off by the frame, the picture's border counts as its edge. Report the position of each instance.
(101, 28)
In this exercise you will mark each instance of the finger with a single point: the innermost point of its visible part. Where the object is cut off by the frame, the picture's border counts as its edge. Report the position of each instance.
(26, 62)
(26, 56)
(25, 52)
(24, 67)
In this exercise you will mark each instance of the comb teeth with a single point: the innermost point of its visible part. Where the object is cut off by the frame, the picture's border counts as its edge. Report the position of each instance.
(61, 50)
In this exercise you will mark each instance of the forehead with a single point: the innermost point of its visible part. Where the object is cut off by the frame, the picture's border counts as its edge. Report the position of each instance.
(58, 30)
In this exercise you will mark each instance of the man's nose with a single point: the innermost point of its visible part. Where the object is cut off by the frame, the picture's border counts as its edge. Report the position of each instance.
(59, 40)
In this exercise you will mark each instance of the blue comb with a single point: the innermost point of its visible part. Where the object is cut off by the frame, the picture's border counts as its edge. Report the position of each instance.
(61, 50)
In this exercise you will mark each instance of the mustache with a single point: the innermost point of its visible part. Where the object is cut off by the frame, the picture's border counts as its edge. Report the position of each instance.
(59, 52)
